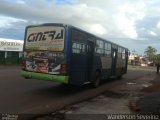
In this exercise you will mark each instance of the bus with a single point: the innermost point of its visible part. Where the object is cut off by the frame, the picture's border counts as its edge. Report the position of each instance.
(66, 54)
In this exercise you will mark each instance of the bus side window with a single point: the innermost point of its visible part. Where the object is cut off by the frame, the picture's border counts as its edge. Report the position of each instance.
(99, 47)
(123, 54)
(75, 48)
(119, 52)
(107, 49)
(78, 48)
(88, 48)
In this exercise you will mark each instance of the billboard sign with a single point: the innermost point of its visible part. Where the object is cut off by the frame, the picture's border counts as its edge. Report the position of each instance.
(10, 45)
(45, 38)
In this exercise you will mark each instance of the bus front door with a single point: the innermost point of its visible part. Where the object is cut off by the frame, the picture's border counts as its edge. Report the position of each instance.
(90, 56)
(114, 61)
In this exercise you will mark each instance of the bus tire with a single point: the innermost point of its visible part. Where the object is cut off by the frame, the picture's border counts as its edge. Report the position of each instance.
(27, 77)
(97, 79)
(119, 77)
(65, 85)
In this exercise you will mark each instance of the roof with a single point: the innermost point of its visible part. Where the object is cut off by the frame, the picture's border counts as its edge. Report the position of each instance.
(11, 40)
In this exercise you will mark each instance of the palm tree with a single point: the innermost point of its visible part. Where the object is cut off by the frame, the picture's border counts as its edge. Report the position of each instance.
(150, 52)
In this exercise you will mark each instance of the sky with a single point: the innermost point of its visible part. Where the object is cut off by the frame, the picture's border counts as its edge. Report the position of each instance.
(134, 24)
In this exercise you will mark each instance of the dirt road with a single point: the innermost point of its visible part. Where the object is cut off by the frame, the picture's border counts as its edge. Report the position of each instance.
(29, 96)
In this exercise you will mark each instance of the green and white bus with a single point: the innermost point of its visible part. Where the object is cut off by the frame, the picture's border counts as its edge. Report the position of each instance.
(66, 54)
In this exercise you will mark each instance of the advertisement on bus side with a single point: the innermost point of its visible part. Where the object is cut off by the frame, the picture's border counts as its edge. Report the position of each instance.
(44, 62)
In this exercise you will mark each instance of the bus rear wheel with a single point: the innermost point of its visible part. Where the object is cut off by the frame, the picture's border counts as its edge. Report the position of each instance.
(97, 79)
(119, 77)
(27, 77)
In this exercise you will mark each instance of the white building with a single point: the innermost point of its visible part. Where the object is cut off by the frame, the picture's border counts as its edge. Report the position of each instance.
(10, 50)
(132, 56)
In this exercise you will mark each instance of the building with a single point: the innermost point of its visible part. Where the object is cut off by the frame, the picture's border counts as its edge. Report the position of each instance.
(135, 59)
(10, 51)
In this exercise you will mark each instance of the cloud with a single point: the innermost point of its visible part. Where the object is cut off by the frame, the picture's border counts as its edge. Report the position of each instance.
(6, 22)
(113, 19)
(158, 25)
(107, 14)
(20, 2)
(96, 28)
(12, 28)
(153, 33)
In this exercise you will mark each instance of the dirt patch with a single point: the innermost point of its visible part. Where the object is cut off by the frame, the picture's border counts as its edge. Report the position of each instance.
(150, 103)
(152, 88)
(155, 86)
(113, 94)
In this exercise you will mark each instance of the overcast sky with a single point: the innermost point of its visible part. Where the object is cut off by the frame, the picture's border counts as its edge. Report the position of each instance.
(131, 23)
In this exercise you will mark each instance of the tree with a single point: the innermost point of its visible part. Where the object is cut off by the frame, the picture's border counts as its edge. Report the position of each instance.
(151, 53)
(158, 58)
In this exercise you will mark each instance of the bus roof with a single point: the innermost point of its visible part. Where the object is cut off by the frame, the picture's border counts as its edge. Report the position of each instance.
(71, 26)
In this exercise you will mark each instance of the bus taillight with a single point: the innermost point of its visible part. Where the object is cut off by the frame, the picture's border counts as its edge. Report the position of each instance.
(64, 68)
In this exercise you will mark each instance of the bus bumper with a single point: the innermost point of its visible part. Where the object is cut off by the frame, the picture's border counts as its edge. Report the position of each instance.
(42, 76)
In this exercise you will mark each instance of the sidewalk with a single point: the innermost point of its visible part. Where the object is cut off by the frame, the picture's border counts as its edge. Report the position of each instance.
(150, 104)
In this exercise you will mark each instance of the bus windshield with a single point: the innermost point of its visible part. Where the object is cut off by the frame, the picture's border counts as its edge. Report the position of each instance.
(49, 38)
